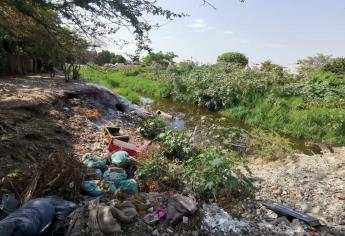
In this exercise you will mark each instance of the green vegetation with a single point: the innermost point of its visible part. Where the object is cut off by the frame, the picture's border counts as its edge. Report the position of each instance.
(152, 128)
(159, 58)
(234, 58)
(337, 66)
(214, 173)
(124, 81)
(185, 165)
(309, 105)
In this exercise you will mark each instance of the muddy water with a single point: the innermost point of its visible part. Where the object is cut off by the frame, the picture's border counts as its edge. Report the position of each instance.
(189, 117)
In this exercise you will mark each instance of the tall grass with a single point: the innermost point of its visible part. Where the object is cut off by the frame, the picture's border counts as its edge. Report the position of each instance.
(124, 82)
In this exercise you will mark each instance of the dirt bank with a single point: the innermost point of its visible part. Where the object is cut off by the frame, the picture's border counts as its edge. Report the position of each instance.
(41, 118)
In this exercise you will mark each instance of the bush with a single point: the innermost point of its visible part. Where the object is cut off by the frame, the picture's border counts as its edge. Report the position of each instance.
(130, 71)
(152, 127)
(234, 58)
(215, 173)
(270, 146)
(162, 170)
(336, 65)
(177, 145)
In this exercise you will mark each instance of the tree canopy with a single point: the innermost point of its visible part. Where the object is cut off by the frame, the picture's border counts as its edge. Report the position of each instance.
(235, 58)
(91, 18)
(159, 58)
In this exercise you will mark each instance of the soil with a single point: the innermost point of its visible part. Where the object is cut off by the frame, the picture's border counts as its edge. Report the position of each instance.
(43, 119)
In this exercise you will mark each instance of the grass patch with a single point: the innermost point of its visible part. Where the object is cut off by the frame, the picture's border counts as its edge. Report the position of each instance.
(130, 85)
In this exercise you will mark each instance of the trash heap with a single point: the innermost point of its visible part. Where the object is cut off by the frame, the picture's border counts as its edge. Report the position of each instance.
(108, 176)
(109, 204)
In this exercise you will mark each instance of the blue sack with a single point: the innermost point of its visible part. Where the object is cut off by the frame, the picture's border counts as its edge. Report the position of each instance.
(115, 177)
(31, 219)
(62, 209)
(90, 161)
(129, 186)
(120, 158)
(93, 189)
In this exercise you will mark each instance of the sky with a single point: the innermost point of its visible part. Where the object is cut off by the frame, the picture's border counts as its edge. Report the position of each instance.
(282, 31)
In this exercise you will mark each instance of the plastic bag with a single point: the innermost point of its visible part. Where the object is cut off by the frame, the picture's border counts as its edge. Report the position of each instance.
(120, 158)
(129, 186)
(90, 161)
(62, 209)
(115, 176)
(95, 188)
(31, 219)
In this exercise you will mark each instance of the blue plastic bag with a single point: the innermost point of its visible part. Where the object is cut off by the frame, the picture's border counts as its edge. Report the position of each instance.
(31, 219)
(129, 186)
(93, 188)
(115, 177)
(120, 158)
(90, 161)
(62, 209)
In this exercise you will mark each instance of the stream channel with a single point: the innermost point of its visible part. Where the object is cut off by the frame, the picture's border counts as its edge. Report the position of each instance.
(185, 116)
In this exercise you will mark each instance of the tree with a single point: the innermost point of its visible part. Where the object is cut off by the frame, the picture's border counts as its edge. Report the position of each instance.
(94, 18)
(313, 63)
(160, 58)
(268, 66)
(118, 59)
(103, 57)
(336, 65)
(32, 40)
(234, 58)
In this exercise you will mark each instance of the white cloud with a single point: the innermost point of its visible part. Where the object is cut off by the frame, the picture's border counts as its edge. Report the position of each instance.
(277, 45)
(244, 41)
(229, 32)
(200, 25)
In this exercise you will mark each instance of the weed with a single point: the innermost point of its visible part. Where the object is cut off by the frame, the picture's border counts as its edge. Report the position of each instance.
(215, 172)
(151, 128)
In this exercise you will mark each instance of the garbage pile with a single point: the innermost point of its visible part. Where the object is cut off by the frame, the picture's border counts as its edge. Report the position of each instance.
(108, 176)
(108, 204)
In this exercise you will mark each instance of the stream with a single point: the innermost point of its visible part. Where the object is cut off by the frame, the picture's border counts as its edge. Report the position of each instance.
(188, 117)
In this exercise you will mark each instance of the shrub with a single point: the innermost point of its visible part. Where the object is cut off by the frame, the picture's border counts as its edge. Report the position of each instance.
(336, 65)
(215, 172)
(177, 145)
(270, 146)
(130, 71)
(162, 170)
(152, 127)
(312, 63)
(235, 58)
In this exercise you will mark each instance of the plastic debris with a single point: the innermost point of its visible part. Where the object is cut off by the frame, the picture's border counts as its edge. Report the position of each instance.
(62, 209)
(95, 188)
(31, 219)
(93, 173)
(9, 203)
(179, 206)
(155, 216)
(185, 220)
(217, 220)
(129, 186)
(283, 210)
(91, 161)
(102, 219)
(115, 176)
(120, 158)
